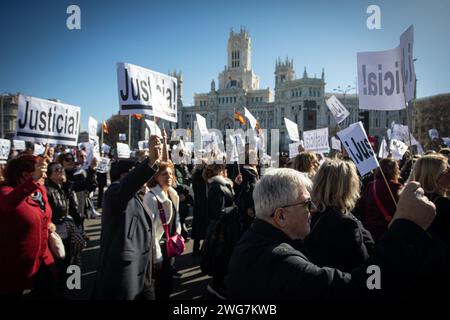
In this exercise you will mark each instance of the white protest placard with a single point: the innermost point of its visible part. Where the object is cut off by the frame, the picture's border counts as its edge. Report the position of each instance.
(46, 121)
(143, 145)
(406, 51)
(123, 150)
(5, 147)
(19, 145)
(105, 148)
(335, 144)
(250, 118)
(292, 130)
(383, 151)
(337, 109)
(380, 83)
(92, 127)
(293, 149)
(38, 149)
(103, 165)
(144, 91)
(316, 140)
(201, 122)
(154, 129)
(355, 141)
(398, 149)
(434, 134)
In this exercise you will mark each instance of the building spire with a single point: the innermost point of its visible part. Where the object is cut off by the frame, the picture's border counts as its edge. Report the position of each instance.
(305, 75)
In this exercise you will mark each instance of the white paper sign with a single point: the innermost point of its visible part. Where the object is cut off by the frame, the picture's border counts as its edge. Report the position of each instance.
(406, 50)
(355, 141)
(201, 122)
(122, 137)
(144, 91)
(105, 148)
(103, 165)
(316, 140)
(292, 130)
(154, 129)
(446, 141)
(335, 144)
(383, 152)
(40, 120)
(143, 145)
(293, 149)
(250, 118)
(434, 134)
(38, 149)
(337, 109)
(398, 149)
(5, 147)
(379, 80)
(92, 125)
(19, 145)
(123, 150)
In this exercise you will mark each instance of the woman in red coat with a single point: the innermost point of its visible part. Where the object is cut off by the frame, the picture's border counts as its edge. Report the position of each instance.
(25, 217)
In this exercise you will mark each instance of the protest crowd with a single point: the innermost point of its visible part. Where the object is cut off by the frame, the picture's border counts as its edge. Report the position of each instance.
(318, 223)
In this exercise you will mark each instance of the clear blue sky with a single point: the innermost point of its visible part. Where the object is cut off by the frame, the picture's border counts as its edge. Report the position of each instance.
(40, 57)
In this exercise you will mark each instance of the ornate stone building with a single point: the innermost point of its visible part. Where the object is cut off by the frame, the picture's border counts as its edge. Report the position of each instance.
(301, 100)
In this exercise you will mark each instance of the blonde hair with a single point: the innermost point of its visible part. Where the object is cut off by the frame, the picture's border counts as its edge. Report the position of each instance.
(427, 170)
(336, 184)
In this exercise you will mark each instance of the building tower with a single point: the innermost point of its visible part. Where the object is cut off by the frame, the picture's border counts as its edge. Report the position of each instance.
(284, 71)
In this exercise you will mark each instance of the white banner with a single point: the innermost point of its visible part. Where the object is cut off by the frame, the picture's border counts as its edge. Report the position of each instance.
(336, 144)
(5, 147)
(201, 122)
(19, 145)
(144, 91)
(406, 50)
(380, 83)
(92, 127)
(293, 149)
(154, 129)
(143, 145)
(250, 118)
(400, 132)
(355, 141)
(123, 150)
(292, 130)
(103, 165)
(45, 121)
(316, 140)
(337, 109)
(38, 149)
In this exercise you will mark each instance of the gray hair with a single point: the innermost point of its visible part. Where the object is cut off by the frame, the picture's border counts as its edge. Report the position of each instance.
(277, 188)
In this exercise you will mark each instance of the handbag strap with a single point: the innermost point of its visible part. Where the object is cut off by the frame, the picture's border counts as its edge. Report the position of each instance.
(162, 215)
(380, 206)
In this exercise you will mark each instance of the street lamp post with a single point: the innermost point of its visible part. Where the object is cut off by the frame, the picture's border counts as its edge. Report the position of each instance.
(2, 117)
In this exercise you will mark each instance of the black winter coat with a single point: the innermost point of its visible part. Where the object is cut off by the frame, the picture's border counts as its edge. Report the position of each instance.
(63, 202)
(265, 266)
(337, 240)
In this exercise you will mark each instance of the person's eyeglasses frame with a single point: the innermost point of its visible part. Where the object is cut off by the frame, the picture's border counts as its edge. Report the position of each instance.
(308, 205)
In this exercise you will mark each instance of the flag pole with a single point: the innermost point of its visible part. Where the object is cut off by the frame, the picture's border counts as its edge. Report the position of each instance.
(129, 130)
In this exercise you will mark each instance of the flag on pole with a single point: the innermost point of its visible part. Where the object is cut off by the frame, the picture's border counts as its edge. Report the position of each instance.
(239, 117)
(105, 128)
(137, 116)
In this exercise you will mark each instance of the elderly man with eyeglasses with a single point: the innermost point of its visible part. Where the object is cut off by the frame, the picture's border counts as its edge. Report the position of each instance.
(265, 265)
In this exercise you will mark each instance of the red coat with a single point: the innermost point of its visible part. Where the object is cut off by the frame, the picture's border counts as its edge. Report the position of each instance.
(23, 236)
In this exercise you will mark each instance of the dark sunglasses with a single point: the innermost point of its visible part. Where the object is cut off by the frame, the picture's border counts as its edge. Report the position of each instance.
(308, 205)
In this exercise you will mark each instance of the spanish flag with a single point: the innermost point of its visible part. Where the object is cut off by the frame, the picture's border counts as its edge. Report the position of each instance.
(105, 128)
(239, 117)
(137, 116)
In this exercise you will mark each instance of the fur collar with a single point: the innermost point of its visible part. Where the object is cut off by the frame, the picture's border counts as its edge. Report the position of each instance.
(162, 196)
